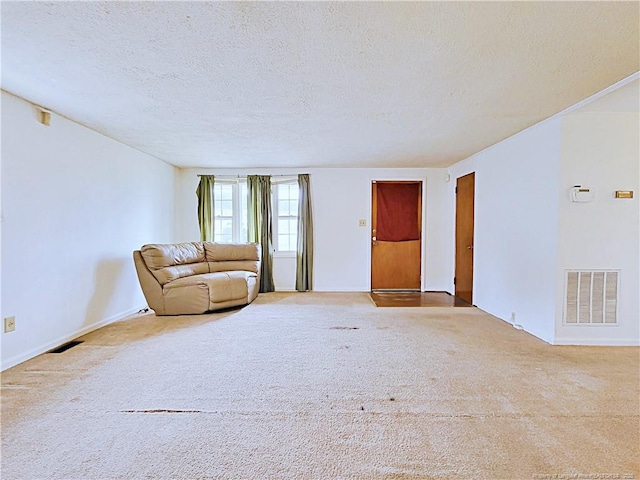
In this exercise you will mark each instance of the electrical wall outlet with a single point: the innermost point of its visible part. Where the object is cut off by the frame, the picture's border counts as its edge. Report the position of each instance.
(9, 324)
(362, 222)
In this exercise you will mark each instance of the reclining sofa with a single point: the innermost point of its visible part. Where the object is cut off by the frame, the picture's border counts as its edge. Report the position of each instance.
(198, 277)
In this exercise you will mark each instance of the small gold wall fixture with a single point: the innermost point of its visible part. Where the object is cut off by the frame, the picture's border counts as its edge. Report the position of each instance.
(624, 193)
(45, 116)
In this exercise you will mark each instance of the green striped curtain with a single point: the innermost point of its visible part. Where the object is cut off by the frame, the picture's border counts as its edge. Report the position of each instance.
(206, 207)
(304, 253)
(260, 229)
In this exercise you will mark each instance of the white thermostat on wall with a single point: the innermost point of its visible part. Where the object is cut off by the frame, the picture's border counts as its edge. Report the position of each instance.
(581, 194)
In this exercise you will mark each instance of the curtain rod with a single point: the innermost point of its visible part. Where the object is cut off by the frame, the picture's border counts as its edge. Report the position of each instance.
(242, 176)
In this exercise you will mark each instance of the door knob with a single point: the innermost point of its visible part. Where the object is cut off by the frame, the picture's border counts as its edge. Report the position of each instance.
(374, 240)
(470, 247)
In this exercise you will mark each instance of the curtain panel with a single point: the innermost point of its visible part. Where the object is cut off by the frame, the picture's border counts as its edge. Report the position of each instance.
(304, 253)
(397, 218)
(206, 209)
(260, 229)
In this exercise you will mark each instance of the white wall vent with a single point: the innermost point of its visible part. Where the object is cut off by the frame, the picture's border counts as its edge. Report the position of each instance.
(591, 297)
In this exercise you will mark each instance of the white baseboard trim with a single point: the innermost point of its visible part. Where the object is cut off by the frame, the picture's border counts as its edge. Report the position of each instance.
(598, 342)
(517, 326)
(34, 352)
(341, 290)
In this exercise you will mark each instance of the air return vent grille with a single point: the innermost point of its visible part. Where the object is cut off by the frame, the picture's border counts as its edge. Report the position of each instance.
(591, 297)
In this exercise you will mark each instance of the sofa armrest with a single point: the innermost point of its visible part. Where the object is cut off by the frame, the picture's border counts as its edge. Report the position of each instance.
(151, 288)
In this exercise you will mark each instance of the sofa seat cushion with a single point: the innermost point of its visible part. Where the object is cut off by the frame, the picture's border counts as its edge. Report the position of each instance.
(219, 286)
(169, 274)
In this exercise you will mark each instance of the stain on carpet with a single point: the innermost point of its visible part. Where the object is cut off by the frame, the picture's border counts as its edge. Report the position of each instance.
(162, 410)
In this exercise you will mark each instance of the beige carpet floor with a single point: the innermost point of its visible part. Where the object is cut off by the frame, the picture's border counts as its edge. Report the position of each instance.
(321, 386)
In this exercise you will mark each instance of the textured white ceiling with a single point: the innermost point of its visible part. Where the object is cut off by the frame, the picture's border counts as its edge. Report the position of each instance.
(269, 84)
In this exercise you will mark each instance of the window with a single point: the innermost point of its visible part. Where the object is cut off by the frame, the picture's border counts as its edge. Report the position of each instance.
(231, 213)
(230, 203)
(285, 214)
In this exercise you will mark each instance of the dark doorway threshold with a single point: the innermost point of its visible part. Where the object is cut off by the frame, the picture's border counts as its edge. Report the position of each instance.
(417, 299)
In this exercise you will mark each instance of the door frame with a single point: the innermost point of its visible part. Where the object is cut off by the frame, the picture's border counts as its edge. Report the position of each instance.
(423, 232)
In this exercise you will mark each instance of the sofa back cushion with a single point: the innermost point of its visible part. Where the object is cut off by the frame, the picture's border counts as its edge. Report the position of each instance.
(168, 262)
(225, 252)
(226, 257)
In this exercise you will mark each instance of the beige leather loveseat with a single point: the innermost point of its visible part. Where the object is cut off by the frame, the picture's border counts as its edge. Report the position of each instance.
(197, 277)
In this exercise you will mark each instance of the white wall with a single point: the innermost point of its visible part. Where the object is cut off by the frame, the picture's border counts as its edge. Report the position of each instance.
(516, 227)
(75, 204)
(527, 232)
(601, 150)
(1, 224)
(340, 196)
